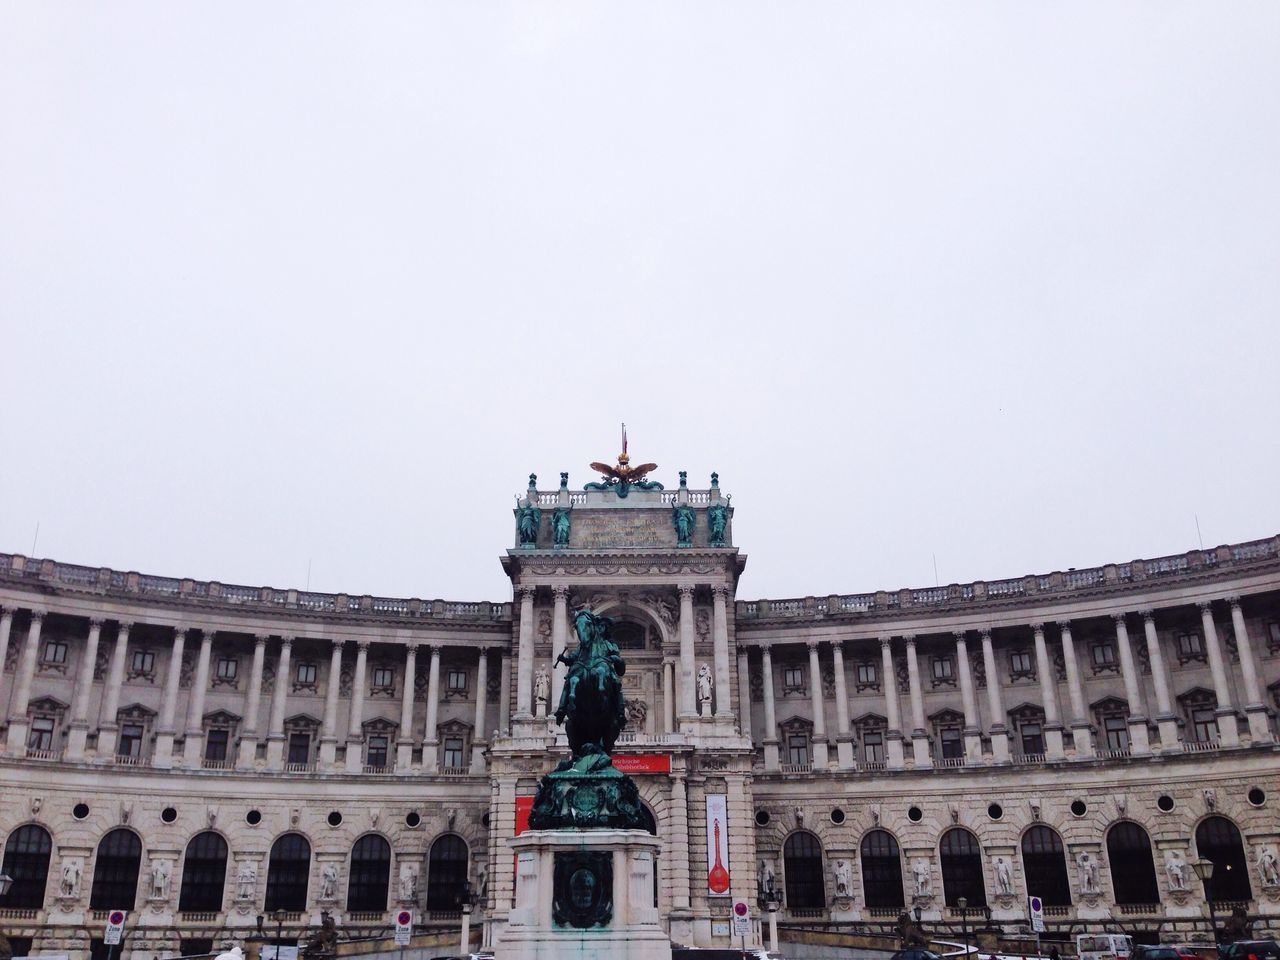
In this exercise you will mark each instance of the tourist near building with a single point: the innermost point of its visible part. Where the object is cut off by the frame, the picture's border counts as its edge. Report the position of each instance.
(200, 753)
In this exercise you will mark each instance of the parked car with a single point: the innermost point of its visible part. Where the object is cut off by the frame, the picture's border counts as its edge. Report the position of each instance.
(1250, 950)
(1188, 952)
(1145, 951)
(915, 953)
(1103, 946)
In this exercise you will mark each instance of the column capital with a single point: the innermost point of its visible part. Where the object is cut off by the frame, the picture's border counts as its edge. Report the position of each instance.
(812, 644)
(1234, 600)
(1037, 626)
(986, 634)
(362, 646)
(6, 613)
(333, 644)
(95, 623)
(180, 633)
(959, 636)
(766, 651)
(436, 648)
(286, 643)
(685, 590)
(206, 634)
(1118, 618)
(526, 592)
(1148, 616)
(886, 643)
(1206, 606)
(559, 593)
(1064, 625)
(411, 648)
(720, 592)
(909, 639)
(38, 614)
(260, 639)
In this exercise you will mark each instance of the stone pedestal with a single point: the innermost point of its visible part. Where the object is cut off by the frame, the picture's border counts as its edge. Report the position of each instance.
(584, 893)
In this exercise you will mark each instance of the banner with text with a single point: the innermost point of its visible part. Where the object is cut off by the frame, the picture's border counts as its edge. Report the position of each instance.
(642, 762)
(717, 845)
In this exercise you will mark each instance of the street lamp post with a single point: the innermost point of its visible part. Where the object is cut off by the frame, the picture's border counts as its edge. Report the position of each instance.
(772, 901)
(6, 882)
(1204, 870)
(962, 904)
(278, 916)
(466, 900)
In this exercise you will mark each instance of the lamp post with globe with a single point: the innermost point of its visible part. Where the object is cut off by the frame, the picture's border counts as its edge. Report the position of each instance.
(962, 904)
(1204, 870)
(6, 882)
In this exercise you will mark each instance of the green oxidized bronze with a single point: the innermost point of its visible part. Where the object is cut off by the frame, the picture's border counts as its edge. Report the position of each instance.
(528, 516)
(682, 518)
(587, 791)
(583, 893)
(621, 478)
(560, 527)
(717, 524)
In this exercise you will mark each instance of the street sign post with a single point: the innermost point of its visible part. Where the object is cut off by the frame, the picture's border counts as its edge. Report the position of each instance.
(115, 928)
(1036, 909)
(404, 927)
(741, 919)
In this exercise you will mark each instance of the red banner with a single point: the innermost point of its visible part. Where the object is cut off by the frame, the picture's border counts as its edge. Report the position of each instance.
(642, 762)
(524, 805)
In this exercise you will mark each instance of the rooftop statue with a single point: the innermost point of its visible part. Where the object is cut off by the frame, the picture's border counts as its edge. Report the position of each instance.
(622, 477)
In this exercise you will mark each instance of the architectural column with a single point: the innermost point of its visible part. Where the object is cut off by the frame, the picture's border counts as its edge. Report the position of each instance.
(1254, 707)
(678, 853)
(478, 741)
(1228, 732)
(919, 735)
(1139, 741)
(504, 693)
(894, 759)
(251, 727)
(524, 656)
(108, 726)
(6, 626)
(559, 634)
(821, 759)
(192, 745)
(355, 716)
(668, 695)
(844, 738)
(279, 697)
(1081, 733)
(720, 646)
(19, 723)
(404, 742)
(1165, 718)
(972, 728)
(328, 754)
(79, 730)
(166, 730)
(688, 669)
(744, 693)
(1048, 696)
(999, 730)
(431, 736)
(770, 739)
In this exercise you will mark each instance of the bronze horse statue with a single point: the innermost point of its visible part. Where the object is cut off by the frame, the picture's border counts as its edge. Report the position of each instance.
(591, 704)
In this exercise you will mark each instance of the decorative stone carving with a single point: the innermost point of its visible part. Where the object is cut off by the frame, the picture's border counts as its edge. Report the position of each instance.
(544, 624)
(408, 883)
(329, 882)
(702, 626)
(159, 880)
(637, 713)
(1269, 868)
(1004, 878)
(843, 874)
(541, 691)
(246, 880)
(1034, 804)
(1175, 867)
(1210, 799)
(921, 873)
(69, 878)
(705, 687)
(1087, 870)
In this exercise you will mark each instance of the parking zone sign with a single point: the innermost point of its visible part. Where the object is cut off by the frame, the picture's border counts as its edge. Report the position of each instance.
(1036, 906)
(404, 927)
(741, 919)
(115, 928)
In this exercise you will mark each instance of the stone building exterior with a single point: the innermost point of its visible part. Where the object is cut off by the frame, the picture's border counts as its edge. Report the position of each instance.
(200, 754)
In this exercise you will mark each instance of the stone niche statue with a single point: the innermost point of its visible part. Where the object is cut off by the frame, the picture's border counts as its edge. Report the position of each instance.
(717, 524)
(408, 883)
(329, 882)
(844, 879)
(705, 687)
(920, 871)
(1176, 869)
(682, 518)
(1004, 877)
(1087, 868)
(69, 881)
(159, 880)
(246, 880)
(541, 692)
(766, 882)
(1269, 867)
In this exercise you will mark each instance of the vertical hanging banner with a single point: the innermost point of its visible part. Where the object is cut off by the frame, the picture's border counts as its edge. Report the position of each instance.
(717, 845)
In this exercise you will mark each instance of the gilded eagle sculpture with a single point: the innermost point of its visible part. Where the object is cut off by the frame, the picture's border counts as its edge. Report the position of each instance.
(622, 477)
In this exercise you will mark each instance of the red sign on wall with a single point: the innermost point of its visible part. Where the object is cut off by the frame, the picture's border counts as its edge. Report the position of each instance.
(642, 762)
(524, 805)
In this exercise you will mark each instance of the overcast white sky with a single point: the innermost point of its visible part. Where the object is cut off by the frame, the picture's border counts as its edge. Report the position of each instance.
(311, 282)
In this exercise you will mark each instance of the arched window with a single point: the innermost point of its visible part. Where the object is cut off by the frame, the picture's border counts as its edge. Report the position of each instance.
(1217, 839)
(446, 872)
(288, 872)
(1045, 864)
(370, 874)
(115, 871)
(802, 872)
(881, 870)
(1133, 872)
(204, 873)
(962, 868)
(26, 859)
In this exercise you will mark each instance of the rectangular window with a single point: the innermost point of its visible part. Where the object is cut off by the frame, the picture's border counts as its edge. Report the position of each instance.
(1117, 733)
(1273, 636)
(456, 681)
(873, 747)
(798, 749)
(1204, 725)
(376, 752)
(305, 675)
(943, 668)
(1104, 655)
(130, 742)
(1020, 663)
(1189, 645)
(55, 651)
(792, 678)
(299, 748)
(40, 736)
(384, 678)
(1032, 738)
(453, 753)
(868, 675)
(144, 663)
(215, 744)
(952, 743)
(227, 668)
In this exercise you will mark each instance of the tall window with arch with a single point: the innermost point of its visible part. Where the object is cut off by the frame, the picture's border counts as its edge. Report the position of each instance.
(881, 871)
(803, 878)
(1044, 862)
(446, 873)
(370, 874)
(26, 860)
(204, 874)
(1218, 839)
(288, 873)
(115, 871)
(1133, 871)
(961, 859)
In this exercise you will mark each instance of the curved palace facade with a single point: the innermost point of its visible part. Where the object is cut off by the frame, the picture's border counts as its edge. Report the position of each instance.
(199, 754)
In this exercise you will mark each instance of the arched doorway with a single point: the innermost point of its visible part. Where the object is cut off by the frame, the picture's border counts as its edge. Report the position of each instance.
(1133, 871)
(1217, 839)
(288, 873)
(881, 871)
(370, 874)
(26, 860)
(803, 878)
(115, 871)
(961, 859)
(204, 873)
(1044, 862)
(446, 873)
